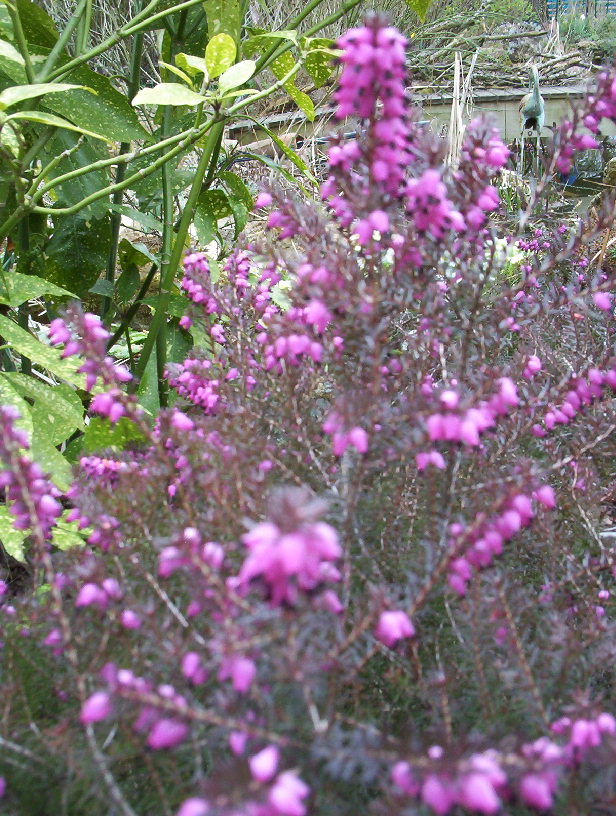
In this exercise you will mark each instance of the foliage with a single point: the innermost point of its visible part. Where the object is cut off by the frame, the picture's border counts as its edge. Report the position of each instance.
(81, 147)
(361, 565)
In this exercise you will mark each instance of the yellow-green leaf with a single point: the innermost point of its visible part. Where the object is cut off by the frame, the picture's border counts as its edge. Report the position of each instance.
(191, 65)
(168, 93)
(219, 54)
(237, 75)
(19, 93)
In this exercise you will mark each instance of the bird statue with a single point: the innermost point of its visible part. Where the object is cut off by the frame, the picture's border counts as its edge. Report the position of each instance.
(532, 113)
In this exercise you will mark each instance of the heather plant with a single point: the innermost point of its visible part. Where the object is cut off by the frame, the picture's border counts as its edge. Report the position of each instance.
(361, 565)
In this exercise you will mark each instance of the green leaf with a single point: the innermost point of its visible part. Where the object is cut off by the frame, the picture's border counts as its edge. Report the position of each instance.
(108, 112)
(127, 284)
(19, 93)
(280, 67)
(12, 539)
(9, 396)
(73, 191)
(177, 71)
(77, 252)
(57, 408)
(137, 255)
(56, 121)
(237, 75)
(240, 214)
(211, 207)
(168, 93)
(9, 52)
(102, 287)
(319, 61)
(288, 152)
(147, 393)
(41, 354)
(50, 460)
(66, 535)
(223, 16)
(420, 7)
(21, 288)
(219, 54)
(37, 24)
(145, 219)
(191, 65)
(262, 41)
(101, 434)
(237, 187)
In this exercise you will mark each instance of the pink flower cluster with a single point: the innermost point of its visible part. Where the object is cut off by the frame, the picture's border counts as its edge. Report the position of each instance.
(192, 380)
(373, 60)
(279, 794)
(429, 206)
(355, 437)
(484, 781)
(84, 334)
(467, 426)
(488, 539)
(196, 282)
(164, 730)
(602, 105)
(32, 498)
(582, 392)
(290, 560)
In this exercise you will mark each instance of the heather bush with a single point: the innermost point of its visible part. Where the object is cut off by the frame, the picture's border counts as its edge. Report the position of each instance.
(362, 565)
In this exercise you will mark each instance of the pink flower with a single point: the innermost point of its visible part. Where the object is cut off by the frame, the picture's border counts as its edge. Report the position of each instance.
(393, 626)
(91, 595)
(603, 301)
(241, 670)
(129, 619)
(402, 776)
(264, 764)
(536, 790)
(263, 200)
(96, 708)
(477, 793)
(287, 794)
(167, 733)
(437, 795)
(193, 807)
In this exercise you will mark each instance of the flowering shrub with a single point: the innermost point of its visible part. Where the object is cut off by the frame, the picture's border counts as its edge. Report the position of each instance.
(360, 566)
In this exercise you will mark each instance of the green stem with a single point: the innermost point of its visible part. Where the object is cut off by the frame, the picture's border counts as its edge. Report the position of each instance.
(116, 217)
(190, 135)
(178, 246)
(140, 174)
(265, 92)
(21, 41)
(132, 309)
(165, 260)
(84, 28)
(140, 22)
(24, 261)
(61, 43)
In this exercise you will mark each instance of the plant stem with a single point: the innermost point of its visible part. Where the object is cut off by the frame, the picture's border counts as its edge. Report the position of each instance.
(84, 28)
(22, 312)
(61, 43)
(21, 41)
(140, 174)
(116, 217)
(165, 260)
(140, 22)
(178, 246)
(132, 309)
